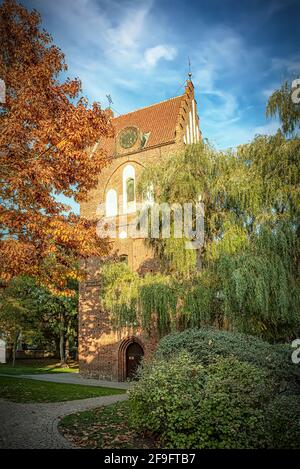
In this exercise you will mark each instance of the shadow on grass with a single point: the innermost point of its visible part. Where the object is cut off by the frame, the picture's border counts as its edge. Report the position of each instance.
(31, 366)
(27, 390)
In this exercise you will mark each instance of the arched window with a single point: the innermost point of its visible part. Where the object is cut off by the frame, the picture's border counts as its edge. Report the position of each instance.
(123, 258)
(111, 203)
(129, 189)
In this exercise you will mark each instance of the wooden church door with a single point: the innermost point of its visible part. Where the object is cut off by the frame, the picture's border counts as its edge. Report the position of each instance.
(134, 354)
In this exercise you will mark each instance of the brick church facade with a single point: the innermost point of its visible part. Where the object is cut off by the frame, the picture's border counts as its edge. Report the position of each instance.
(142, 137)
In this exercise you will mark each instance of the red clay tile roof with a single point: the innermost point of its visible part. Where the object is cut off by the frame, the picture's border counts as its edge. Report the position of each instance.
(159, 119)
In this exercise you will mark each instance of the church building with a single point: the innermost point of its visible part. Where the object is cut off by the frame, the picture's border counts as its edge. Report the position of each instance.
(142, 137)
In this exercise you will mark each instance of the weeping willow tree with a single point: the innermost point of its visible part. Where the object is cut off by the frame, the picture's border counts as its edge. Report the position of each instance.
(282, 105)
(149, 301)
(260, 285)
(249, 277)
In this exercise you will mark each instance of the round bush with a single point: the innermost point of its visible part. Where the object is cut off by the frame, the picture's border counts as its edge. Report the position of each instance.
(207, 344)
(188, 405)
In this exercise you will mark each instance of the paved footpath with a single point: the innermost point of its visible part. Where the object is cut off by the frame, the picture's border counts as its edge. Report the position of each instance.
(71, 378)
(35, 425)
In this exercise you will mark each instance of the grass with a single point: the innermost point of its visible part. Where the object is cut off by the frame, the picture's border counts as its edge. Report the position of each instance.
(32, 366)
(106, 427)
(27, 390)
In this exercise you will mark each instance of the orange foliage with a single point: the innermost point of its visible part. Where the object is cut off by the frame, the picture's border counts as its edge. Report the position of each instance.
(46, 128)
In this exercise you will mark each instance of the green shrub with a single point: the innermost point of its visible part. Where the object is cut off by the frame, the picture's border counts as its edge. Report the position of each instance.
(188, 405)
(283, 421)
(157, 400)
(232, 410)
(207, 344)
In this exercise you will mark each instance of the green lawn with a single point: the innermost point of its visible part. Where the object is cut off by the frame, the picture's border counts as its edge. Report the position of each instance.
(27, 390)
(36, 366)
(106, 427)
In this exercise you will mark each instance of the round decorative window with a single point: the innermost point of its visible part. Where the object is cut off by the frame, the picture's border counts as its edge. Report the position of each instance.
(128, 137)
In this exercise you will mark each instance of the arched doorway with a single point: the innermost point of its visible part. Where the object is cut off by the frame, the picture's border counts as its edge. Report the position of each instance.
(134, 354)
(130, 354)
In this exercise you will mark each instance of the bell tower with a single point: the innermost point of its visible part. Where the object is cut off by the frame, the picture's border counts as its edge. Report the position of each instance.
(143, 137)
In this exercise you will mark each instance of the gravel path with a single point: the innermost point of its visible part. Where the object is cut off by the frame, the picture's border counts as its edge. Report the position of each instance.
(35, 425)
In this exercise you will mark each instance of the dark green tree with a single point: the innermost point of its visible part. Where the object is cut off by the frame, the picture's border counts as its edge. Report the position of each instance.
(17, 311)
(39, 315)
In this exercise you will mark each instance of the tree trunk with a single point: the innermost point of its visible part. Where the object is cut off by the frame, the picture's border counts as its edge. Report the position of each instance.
(57, 342)
(14, 354)
(62, 341)
(67, 349)
(14, 348)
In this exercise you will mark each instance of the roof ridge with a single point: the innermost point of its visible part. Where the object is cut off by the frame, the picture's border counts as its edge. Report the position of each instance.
(150, 105)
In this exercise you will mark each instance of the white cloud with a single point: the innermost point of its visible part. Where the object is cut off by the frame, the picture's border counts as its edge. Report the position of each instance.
(121, 48)
(114, 47)
(154, 54)
(127, 36)
(267, 129)
(225, 80)
(231, 134)
(221, 51)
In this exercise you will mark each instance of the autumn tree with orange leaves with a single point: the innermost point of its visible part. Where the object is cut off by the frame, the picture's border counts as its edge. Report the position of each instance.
(46, 127)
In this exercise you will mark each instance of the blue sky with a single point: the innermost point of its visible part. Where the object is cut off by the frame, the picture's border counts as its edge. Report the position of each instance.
(137, 52)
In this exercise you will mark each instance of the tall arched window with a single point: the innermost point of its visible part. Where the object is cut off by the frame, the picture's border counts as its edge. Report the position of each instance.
(111, 203)
(129, 205)
(130, 189)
